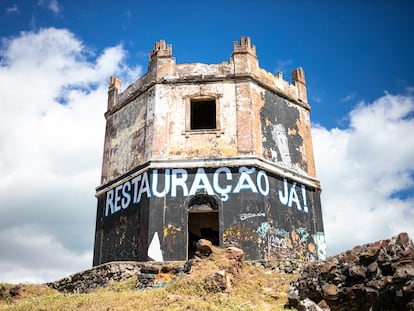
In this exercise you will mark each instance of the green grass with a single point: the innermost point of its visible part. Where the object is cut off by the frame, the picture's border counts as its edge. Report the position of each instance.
(254, 289)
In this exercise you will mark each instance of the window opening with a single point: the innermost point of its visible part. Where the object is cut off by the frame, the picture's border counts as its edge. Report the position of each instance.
(203, 114)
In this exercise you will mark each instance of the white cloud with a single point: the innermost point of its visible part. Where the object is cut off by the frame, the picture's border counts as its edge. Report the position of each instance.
(48, 257)
(14, 9)
(282, 66)
(51, 153)
(347, 98)
(52, 5)
(363, 169)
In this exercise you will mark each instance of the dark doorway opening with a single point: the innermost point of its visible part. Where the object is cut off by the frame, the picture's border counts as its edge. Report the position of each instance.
(203, 222)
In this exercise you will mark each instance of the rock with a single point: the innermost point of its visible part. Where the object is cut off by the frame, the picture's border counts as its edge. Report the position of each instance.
(105, 274)
(370, 254)
(327, 267)
(3, 291)
(376, 276)
(187, 266)
(173, 298)
(404, 272)
(323, 305)
(293, 297)
(308, 305)
(150, 269)
(15, 291)
(204, 247)
(288, 267)
(220, 280)
(403, 240)
(372, 268)
(330, 291)
(357, 272)
(234, 253)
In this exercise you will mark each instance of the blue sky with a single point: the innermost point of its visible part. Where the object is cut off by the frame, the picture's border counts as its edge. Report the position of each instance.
(358, 62)
(350, 51)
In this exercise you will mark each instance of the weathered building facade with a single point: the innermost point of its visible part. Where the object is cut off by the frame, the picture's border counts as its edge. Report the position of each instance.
(221, 152)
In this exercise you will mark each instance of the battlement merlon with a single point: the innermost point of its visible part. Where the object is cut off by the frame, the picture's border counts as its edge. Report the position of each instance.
(162, 68)
(244, 57)
(161, 63)
(298, 79)
(244, 45)
(161, 49)
(113, 90)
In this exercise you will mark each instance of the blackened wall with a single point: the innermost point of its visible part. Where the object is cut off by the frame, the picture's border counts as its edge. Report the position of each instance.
(284, 131)
(122, 236)
(267, 215)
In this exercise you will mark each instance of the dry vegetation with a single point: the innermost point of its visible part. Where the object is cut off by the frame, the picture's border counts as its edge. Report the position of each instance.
(254, 289)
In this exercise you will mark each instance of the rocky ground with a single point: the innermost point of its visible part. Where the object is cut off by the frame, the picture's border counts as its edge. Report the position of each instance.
(376, 276)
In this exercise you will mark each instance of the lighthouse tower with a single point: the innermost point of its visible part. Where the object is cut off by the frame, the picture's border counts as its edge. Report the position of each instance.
(215, 151)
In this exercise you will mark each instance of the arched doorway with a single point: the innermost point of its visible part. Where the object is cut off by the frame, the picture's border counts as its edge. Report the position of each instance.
(203, 221)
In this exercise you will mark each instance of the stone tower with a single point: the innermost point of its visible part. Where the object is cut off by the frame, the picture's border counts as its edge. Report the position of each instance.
(221, 152)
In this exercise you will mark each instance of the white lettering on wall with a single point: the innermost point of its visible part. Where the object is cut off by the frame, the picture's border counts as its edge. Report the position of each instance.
(145, 188)
(219, 182)
(109, 206)
(245, 181)
(179, 178)
(117, 199)
(305, 203)
(261, 176)
(155, 183)
(201, 182)
(135, 182)
(289, 196)
(224, 192)
(283, 195)
(126, 197)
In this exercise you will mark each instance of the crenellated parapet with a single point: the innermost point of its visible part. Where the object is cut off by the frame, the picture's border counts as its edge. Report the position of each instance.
(161, 49)
(244, 45)
(113, 90)
(298, 79)
(243, 64)
(162, 63)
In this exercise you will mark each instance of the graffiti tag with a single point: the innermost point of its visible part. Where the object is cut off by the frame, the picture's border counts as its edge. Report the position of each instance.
(251, 215)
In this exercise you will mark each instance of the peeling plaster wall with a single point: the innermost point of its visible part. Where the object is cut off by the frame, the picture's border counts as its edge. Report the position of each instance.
(201, 144)
(251, 120)
(125, 138)
(263, 128)
(147, 120)
(286, 136)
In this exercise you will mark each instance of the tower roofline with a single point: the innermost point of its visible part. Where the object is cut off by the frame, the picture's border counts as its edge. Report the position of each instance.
(243, 64)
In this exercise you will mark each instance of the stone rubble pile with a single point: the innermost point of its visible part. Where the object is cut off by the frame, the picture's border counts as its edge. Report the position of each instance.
(159, 274)
(289, 266)
(149, 274)
(153, 276)
(376, 276)
(12, 292)
(222, 279)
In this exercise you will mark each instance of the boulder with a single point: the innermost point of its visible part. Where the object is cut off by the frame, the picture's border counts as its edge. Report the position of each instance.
(204, 248)
(376, 276)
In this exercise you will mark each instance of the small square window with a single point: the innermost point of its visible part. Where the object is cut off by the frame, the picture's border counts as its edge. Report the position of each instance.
(203, 114)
